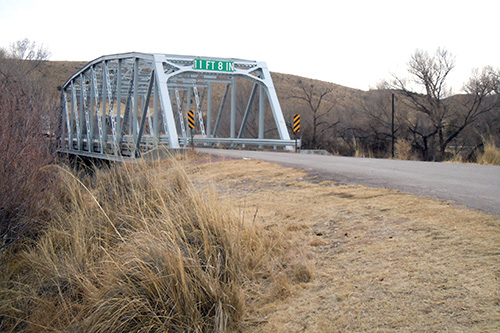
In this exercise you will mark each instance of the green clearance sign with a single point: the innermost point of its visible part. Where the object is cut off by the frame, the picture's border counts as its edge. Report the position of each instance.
(214, 65)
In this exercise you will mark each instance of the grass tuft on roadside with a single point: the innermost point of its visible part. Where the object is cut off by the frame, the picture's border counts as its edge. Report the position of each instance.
(490, 154)
(136, 247)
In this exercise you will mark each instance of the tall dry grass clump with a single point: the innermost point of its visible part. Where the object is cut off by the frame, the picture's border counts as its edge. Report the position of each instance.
(404, 150)
(133, 247)
(490, 154)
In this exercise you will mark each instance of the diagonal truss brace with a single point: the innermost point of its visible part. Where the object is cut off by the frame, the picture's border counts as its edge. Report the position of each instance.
(166, 104)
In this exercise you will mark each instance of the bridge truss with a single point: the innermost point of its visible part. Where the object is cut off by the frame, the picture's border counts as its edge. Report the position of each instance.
(125, 105)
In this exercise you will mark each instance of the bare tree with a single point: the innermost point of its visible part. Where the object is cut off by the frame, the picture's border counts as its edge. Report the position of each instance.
(429, 76)
(439, 118)
(481, 94)
(374, 121)
(317, 104)
(21, 59)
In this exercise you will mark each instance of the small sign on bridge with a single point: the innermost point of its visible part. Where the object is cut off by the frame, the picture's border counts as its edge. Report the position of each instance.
(214, 65)
(190, 117)
(296, 123)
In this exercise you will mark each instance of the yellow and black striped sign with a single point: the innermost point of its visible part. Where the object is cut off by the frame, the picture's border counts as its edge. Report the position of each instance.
(296, 123)
(191, 119)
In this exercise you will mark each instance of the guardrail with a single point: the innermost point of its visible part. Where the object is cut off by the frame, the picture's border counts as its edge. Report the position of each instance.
(128, 149)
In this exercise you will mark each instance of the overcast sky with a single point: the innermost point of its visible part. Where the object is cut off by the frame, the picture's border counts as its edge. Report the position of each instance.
(355, 43)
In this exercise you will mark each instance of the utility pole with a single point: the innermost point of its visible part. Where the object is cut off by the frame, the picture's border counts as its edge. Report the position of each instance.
(392, 130)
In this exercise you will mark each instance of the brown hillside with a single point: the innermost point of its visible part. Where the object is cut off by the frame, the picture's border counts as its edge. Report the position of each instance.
(57, 72)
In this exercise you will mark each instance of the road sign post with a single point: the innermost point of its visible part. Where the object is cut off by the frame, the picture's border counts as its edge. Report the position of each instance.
(191, 124)
(296, 128)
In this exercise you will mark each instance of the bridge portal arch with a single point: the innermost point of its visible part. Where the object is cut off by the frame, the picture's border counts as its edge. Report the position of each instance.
(123, 105)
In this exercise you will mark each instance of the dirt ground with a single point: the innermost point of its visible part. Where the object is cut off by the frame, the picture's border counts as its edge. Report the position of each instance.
(379, 260)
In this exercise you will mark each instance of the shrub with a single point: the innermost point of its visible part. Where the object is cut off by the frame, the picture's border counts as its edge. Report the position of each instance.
(25, 148)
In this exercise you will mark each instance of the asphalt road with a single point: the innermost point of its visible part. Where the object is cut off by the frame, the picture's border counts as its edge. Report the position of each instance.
(475, 186)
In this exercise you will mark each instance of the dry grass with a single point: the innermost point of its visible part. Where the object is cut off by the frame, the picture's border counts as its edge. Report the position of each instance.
(377, 259)
(403, 150)
(135, 248)
(249, 246)
(490, 154)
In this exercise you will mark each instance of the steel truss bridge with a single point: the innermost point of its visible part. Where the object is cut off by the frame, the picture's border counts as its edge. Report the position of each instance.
(124, 105)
